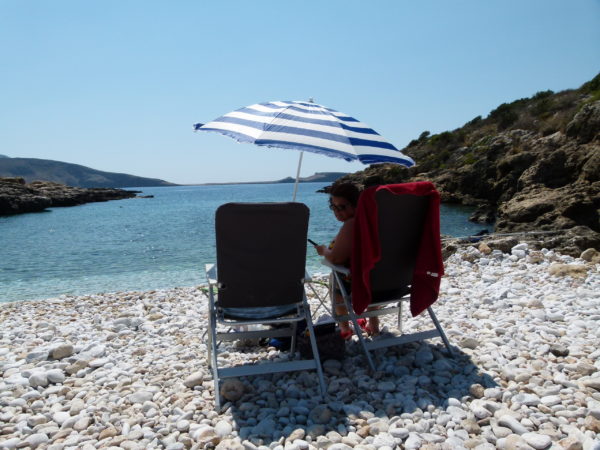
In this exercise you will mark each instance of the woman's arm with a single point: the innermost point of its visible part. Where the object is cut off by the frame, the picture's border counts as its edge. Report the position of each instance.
(342, 249)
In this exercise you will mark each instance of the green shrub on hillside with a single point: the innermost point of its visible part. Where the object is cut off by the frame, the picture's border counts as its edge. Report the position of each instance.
(393, 171)
(483, 144)
(542, 94)
(542, 108)
(474, 121)
(469, 158)
(595, 97)
(424, 135)
(592, 85)
(422, 138)
(504, 115)
(592, 88)
(441, 139)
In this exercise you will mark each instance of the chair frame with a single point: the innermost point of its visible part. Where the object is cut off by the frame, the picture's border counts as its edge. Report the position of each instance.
(391, 304)
(223, 326)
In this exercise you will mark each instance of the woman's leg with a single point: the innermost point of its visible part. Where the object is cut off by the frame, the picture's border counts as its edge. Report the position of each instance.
(341, 310)
(374, 325)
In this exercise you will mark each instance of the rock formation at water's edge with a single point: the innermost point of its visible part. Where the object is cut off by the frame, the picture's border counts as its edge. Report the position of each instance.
(17, 197)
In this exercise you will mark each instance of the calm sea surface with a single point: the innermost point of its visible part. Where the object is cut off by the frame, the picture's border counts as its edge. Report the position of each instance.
(143, 244)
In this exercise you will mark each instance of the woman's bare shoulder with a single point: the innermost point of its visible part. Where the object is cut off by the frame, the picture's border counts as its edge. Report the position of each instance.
(347, 226)
(349, 223)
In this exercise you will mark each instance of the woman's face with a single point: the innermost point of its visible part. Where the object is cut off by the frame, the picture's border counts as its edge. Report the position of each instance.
(342, 209)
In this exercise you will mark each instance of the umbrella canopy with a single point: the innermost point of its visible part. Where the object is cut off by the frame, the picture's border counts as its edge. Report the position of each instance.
(307, 126)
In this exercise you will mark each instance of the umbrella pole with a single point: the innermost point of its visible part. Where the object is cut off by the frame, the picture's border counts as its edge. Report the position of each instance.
(297, 176)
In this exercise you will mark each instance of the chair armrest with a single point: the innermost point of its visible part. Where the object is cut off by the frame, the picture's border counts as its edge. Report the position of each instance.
(335, 267)
(211, 273)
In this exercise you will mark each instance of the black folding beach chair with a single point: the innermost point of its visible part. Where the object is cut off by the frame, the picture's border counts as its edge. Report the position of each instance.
(401, 224)
(259, 280)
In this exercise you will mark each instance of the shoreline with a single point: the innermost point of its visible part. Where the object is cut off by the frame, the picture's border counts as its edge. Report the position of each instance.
(128, 369)
(118, 292)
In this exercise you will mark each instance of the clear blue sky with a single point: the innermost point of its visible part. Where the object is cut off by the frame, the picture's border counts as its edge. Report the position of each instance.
(117, 85)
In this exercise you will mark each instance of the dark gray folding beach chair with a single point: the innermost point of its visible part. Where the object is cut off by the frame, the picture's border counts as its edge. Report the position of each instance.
(400, 223)
(259, 280)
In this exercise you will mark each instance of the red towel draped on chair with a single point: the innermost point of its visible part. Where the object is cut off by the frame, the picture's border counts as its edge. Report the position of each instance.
(366, 250)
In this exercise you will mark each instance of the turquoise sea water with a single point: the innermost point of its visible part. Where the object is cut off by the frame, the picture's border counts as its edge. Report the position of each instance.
(143, 244)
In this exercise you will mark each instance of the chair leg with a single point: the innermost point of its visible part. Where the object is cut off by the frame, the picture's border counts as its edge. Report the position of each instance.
(293, 338)
(209, 346)
(215, 373)
(209, 330)
(440, 330)
(400, 316)
(353, 317)
(212, 350)
(315, 350)
(361, 339)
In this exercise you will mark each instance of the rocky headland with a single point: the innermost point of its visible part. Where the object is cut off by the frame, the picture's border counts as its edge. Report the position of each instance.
(532, 165)
(17, 196)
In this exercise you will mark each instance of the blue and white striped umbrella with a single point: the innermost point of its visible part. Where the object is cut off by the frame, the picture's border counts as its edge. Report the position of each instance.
(307, 126)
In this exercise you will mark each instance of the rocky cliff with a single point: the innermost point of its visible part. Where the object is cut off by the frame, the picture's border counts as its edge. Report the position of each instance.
(17, 197)
(531, 165)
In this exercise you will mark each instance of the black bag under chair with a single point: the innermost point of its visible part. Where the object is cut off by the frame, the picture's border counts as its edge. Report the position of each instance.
(329, 341)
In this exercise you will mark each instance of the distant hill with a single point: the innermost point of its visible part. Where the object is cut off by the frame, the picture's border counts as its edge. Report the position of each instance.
(33, 169)
(319, 177)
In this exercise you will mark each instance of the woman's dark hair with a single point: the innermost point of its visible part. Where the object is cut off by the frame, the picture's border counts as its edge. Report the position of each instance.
(347, 191)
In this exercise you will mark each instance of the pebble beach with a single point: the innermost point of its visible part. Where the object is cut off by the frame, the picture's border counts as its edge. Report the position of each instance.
(128, 370)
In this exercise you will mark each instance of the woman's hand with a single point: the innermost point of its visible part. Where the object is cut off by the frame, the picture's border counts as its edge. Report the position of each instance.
(320, 249)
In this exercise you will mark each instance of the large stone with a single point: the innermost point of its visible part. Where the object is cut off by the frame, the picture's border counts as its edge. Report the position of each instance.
(593, 383)
(537, 440)
(586, 123)
(140, 396)
(195, 379)
(571, 270)
(76, 366)
(223, 428)
(592, 424)
(232, 389)
(55, 376)
(61, 351)
(38, 379)
(509, 421)
(37, 439)
(591, 255)
(109, 431)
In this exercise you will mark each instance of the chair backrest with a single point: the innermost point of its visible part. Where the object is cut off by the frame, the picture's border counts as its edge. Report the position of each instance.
(401, 220)
(261, 253)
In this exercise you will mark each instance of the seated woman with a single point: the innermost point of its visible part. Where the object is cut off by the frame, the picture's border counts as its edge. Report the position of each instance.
(342, 201)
